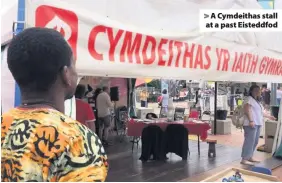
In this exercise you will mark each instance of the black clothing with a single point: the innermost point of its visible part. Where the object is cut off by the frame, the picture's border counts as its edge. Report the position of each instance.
(177, 140)
(266, 97)
(152, 143)
(152, 114)
(197, 97)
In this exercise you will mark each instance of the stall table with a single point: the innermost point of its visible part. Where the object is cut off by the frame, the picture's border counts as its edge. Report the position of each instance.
(135, 128)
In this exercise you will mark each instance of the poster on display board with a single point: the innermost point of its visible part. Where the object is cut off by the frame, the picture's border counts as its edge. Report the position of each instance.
(105, 46)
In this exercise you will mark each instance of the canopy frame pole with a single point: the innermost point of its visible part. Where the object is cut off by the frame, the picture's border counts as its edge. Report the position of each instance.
(215, 108)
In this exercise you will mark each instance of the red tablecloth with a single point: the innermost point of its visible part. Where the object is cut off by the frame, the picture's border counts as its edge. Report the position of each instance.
(134, 128)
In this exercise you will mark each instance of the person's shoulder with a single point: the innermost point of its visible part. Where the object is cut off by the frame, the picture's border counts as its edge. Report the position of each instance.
(62, 123)
(7, 119)
(81, 102)
(43, 123)
(71, 130)
(249, 99)
(101, 95)
(104, 95)
(83, 139)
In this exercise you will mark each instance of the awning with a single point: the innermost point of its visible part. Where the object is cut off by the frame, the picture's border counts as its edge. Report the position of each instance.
(142, 81)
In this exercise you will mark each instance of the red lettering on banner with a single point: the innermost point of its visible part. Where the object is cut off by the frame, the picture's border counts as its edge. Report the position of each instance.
(188, 54)
(171, 53)
(146, 59)
(276, 71)
(131, 49)
(113, 42)
(240, 63)
(254, 63)
(278, 68)
(223, 58)
(170, 49)
(270, 66)
(219, 55)
(241, 60)
(178, 45)
(263, 65)
(208, 64)
(199, 58)
(92, 40)
(247, 62)
(162, 52)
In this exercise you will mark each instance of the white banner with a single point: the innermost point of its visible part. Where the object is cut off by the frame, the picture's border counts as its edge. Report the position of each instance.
(110, 38)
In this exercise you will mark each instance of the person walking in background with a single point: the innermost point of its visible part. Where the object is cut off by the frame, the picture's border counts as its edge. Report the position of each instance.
(197, 96)
(143, 97)
(96, 93)
(104, 105)
(266, 96)
(238, 96)
(279, 95)
(160, 101)
(253, 120)
(39, 142)
(164, 102)
(84, 112)
(246, 93)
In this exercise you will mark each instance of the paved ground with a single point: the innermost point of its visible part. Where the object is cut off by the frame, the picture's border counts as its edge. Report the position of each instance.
(235, 139)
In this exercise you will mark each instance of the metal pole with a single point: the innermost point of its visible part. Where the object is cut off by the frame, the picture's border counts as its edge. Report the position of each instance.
(232, 99)
(146, 94)
(20, 27)
(215, 108)
(273, 100)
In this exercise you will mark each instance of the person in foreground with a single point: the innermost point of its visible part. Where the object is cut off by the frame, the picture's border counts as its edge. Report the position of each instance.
(39, 143)
(252, 125)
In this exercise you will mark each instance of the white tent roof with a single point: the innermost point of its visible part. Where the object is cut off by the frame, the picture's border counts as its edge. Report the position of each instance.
(156, 15)
(176, 20)
(9, 9)
(9, 15)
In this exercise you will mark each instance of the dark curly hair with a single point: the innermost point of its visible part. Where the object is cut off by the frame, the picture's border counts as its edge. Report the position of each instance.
(36, 56)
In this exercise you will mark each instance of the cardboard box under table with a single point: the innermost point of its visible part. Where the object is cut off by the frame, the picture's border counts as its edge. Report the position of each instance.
(248, 176)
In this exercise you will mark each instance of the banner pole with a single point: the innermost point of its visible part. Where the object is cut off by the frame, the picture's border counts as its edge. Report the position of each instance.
(215, 108)
(20, 27)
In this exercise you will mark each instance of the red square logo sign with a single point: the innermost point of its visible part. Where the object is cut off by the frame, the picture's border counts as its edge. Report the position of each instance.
(64, 21)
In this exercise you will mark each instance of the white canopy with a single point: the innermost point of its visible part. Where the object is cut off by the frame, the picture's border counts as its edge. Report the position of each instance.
(171, 20)
(104, 37)
(9, 11)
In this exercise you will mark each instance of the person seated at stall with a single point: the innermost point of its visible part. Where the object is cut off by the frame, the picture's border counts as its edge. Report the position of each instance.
(84, 112)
